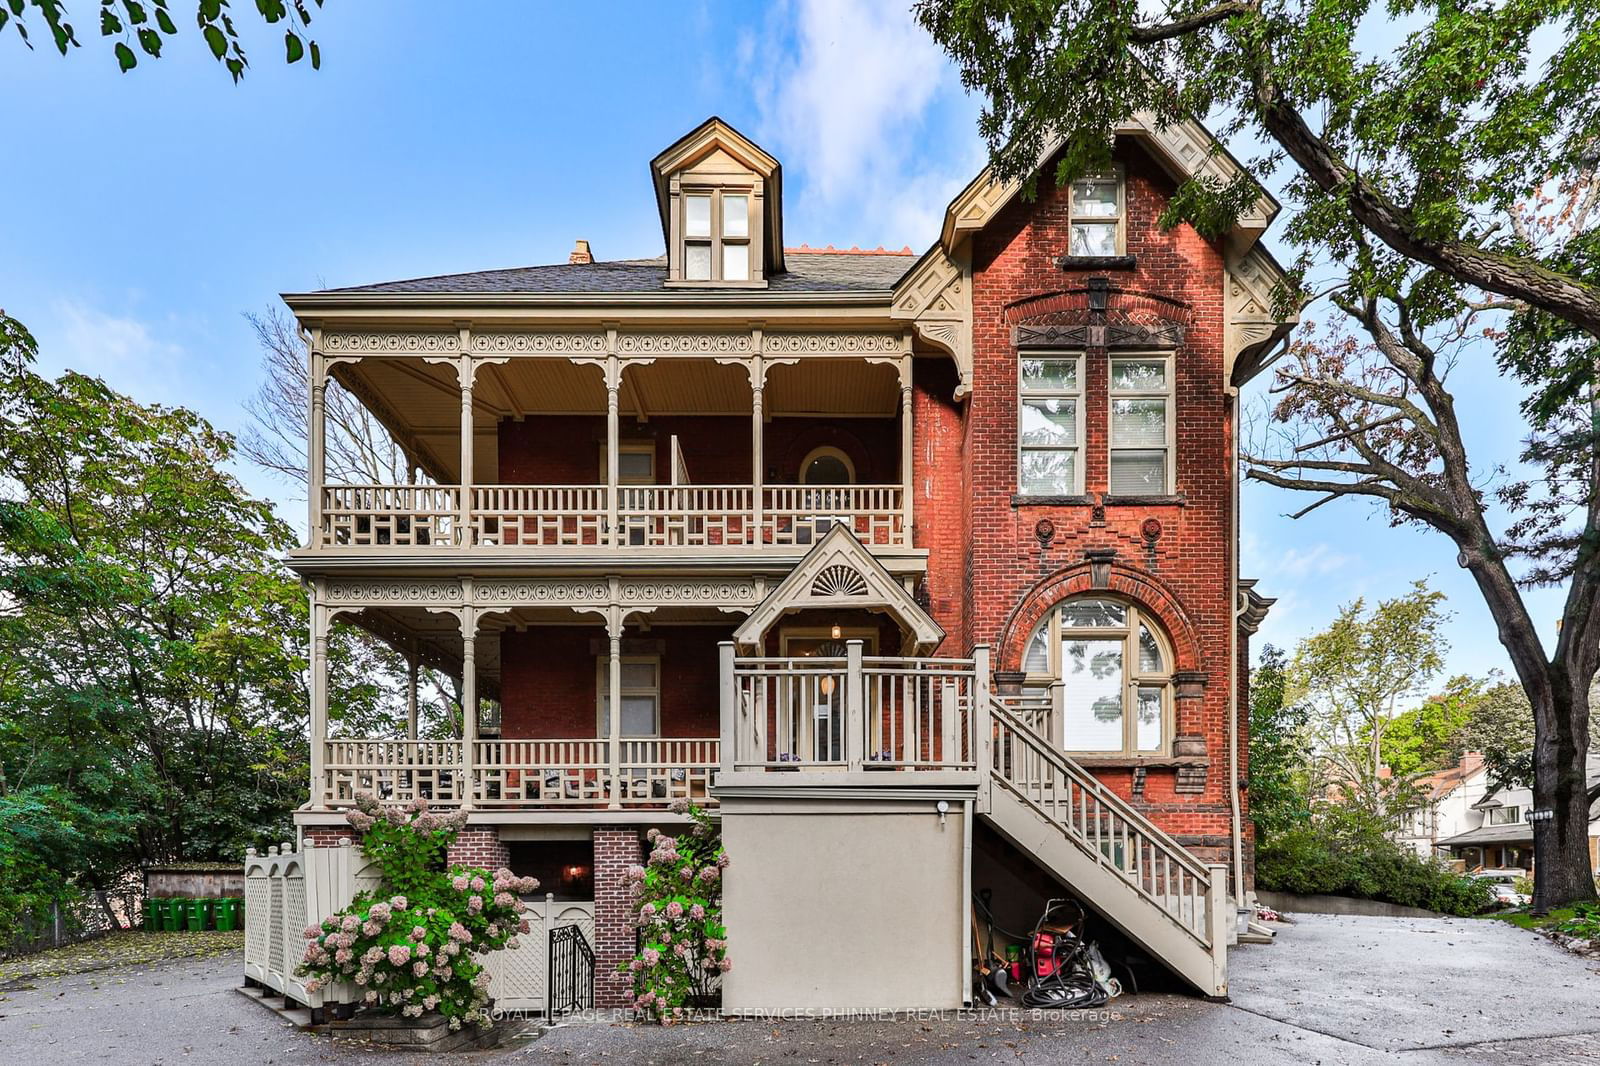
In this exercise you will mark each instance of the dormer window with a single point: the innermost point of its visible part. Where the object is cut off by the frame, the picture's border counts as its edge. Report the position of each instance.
(716, 236)
(720, 197)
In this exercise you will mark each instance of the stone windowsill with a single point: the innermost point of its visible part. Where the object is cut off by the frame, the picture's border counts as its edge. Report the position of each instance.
(1129, 762)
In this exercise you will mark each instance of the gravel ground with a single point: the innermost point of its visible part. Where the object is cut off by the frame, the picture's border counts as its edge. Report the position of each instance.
(1331, 990)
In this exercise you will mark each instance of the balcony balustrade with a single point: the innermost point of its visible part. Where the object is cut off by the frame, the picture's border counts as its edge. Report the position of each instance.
(789, 518)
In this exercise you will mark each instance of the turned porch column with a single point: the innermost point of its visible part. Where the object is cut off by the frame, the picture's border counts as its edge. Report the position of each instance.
(613, 444)
(319, 703)
(614, 703)
(464, 534)
(907, 445)
(315, 447)
(469, 705)
(411, 691)
(757, 447)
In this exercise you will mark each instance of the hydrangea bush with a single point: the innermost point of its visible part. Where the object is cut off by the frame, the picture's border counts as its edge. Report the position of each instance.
(414, 946)
(677, 908)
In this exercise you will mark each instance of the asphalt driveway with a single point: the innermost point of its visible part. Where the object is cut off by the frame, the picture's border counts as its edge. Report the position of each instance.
(1332, 990)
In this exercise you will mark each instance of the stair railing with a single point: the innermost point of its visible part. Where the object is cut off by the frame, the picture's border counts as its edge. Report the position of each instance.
(1099, 822)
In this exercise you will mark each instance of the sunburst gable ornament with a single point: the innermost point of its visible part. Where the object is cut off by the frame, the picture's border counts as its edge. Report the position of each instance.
(839, 580)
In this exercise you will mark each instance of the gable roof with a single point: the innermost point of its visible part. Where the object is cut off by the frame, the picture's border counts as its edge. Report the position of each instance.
(838, 572)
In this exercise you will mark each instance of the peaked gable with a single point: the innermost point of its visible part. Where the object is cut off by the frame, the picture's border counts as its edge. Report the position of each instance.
(840, 573)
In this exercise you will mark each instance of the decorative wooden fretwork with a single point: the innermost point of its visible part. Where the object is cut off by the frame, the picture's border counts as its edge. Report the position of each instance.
(839, 580)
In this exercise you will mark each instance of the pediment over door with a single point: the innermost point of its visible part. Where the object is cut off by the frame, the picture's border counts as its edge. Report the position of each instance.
(838, 573)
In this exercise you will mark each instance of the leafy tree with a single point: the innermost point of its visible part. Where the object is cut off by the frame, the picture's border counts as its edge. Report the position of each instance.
(145, 26)
(1354, 675)
(153, 691)
(1426, 738)
(1447, 175)
(1277, 782)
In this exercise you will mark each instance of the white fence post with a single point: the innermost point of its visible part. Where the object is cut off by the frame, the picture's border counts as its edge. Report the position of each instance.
(1219, 912)
(728, 704)
(855, 720)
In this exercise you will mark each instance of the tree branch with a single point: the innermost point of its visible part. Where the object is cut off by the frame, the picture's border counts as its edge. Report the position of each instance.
(1168, 30)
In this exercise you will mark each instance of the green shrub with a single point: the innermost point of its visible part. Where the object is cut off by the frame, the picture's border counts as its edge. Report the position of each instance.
(1585, 922)
(677, 908)
(413, 945)
(1344, 853)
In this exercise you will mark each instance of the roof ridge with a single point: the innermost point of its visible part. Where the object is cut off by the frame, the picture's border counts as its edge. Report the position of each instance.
(806, 249)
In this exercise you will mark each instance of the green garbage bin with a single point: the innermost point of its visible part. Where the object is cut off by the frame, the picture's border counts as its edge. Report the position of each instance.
(171, 914)
(152, 915)
(197, 914)
(227, 914)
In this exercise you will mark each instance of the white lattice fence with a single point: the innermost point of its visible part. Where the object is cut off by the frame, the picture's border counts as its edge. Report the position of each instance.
(284, 892)
(520, 978)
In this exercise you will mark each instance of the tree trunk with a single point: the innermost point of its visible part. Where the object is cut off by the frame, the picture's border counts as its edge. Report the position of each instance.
(1562, 869)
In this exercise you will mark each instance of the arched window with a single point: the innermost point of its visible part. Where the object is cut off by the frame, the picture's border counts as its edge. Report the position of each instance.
(1113, 666)
(827, 466)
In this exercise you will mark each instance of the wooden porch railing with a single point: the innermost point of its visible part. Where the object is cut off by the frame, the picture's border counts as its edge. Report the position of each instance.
(653, 771)
(849, 713)
(576, 516)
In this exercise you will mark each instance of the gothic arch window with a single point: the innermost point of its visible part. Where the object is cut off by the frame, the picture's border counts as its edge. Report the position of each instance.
(1107, 665)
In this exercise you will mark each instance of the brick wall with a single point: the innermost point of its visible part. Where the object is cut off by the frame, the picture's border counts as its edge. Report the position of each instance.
(548, 679)
(568, 449)
(991, 577)
(327, 836)
(478, 846)
(615, 849)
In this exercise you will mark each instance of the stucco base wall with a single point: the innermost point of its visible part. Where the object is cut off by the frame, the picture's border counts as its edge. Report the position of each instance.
(840, 905)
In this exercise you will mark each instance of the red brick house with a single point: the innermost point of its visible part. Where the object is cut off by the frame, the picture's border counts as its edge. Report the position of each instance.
(921, 569)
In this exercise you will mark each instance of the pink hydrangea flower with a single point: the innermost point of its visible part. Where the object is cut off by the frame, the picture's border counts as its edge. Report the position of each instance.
(399, 903)
(674, 909)
(399, 955)
(697, 912)
(419, 969)
(725, 965)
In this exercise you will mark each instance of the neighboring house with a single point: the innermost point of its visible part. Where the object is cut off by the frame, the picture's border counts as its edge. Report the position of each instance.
(1496, 835)
(1445, 799)
(922, 569)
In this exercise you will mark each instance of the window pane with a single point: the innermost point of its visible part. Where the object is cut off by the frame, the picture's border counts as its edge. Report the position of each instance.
(1148, 729)
(636, 467)
(638, 716)
(1056, 374)
(697, 262)
(697, 216)
(1095, 197)
(1093, 614)
(735, 262)
(735, 216)
(1050, 422)
(1048, 473)
(1138, 423)
(1092, 698)
(1138, 474)
(1140, 375)
(1094, 238)
(638, 675)
(1037, 659)
(1149, 651)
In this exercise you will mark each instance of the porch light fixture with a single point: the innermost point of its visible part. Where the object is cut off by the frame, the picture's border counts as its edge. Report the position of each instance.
(836, 633)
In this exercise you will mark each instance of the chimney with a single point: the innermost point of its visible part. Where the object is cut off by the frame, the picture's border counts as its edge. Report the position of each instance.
(581, 253)
(1471, 762)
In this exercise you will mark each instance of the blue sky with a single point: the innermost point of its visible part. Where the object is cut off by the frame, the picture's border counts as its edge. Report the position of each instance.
(153, 209)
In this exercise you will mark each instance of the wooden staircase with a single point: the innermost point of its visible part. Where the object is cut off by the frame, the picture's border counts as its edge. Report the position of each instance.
(1112, 857)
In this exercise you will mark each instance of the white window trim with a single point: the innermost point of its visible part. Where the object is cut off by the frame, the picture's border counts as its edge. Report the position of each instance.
(1169, 394)
(1117, 174)
(1133, 678)
(718, 239)
(602, 690)
(1075, 394)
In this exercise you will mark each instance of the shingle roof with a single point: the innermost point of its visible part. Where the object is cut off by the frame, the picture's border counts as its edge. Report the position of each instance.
(809, 271)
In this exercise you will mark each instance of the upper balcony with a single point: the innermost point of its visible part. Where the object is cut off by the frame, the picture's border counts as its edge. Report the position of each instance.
(662, 446)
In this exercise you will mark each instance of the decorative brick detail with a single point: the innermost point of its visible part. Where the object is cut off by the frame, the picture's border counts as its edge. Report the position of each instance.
(1191, 781)
(479, 846)
(615, 849)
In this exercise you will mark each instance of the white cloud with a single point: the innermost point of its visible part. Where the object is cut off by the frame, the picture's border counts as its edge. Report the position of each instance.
(124, 351)
(1317, 560)
(868, 114)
